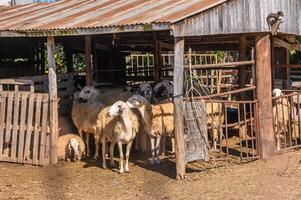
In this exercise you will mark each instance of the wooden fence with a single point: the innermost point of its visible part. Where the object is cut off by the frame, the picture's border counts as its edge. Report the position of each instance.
(24, 127)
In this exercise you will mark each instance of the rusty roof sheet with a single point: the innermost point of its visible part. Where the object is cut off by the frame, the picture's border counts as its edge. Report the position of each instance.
(83, 14)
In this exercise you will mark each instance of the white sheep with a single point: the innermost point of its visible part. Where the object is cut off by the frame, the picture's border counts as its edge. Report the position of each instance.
(84, 115)
(119, 124)
(70, 147)
(281, 115)
(157, 121)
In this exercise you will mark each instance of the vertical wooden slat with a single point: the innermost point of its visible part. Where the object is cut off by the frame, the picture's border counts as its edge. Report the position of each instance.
(178, 106)
(37, 127)
(2, 118)
(88, 56)
(44, 129)
(8, 127)
(22, 127)
(15, 127)
(53, 100)
(26, 156)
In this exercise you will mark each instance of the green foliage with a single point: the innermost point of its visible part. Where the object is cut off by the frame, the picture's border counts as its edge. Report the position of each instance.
(79, 63)
(295, 56)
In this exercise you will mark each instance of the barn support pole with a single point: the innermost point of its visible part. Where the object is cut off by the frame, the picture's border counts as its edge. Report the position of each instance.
(88, 56)
(53, 100)
(242, 69)
(157, 54)
(178, 106)
(264, 95)
(69, 60)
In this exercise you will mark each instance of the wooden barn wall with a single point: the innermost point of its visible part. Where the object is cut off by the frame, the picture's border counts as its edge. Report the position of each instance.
(241, 16)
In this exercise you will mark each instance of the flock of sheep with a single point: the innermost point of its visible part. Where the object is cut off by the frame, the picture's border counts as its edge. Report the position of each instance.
(147, 111)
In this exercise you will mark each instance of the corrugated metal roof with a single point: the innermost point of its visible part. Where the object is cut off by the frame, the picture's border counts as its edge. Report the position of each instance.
(83, 14)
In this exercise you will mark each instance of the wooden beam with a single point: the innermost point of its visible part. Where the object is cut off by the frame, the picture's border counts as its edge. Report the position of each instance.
(242, 68)
(178, 106)
(222, 65)
(88, 56)
(228, 93)
(264, 95)
(156, 52)
(69, 59)
(291, 66)
(53, 100)
(282, 43)
(166, 45)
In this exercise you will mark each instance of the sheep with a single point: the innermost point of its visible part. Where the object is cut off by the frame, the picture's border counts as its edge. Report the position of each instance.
(157, 121)
(84, 115)
(119, 124)
(163, 91)
(215, 119)
(146, 90)
(281, 115)
(70, 147)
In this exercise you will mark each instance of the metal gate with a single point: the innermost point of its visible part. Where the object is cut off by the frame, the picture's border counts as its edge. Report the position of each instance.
(24, 126)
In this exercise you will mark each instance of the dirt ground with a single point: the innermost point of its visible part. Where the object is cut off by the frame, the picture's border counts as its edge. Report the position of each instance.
(275, 179)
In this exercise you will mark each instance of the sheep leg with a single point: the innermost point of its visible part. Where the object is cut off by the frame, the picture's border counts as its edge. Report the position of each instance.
(158, 149)
(87, 144)
(121, 169)
(152, 140)
(163, 144)
(80, 132)
(137, 143)
(172, 145)
(97, 144)
(103, 142)
(112, 162)
(215, 135)
(127, 156)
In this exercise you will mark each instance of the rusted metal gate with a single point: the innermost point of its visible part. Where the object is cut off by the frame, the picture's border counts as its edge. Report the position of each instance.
(24, 125)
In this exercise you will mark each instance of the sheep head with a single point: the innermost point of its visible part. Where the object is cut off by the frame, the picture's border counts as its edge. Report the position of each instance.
(137, 101)
(164, 89)
(277, 92)
(74, 149)
(87, 93)
(118, 108)
(146, 90)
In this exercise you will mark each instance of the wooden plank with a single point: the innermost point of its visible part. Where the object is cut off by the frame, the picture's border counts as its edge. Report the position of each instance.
(88, 55)
(24, 98)
(242, 68)
(264, 96)
(2, 118)
(53, 100)
(44, 129)
(30, 111)
(178, 106)
(37, 122)
(228, 65)
(17, 96)
(8, 127)
(291, 66)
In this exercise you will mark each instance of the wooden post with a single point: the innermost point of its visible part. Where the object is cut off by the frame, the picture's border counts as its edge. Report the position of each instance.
(264, 95)
(69, 59)
(178, 106)
(242, 69)
(157, 54)
(88, 55)
(53, 100)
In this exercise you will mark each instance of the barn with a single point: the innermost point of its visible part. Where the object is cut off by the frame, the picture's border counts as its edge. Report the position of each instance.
(106, 32)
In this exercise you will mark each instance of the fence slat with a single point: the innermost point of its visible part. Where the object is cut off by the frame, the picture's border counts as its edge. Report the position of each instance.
(36, 135)
(44, 129)
(22, 127)
(15, 126)
(29, 128)
(8, 122)
(2, 118)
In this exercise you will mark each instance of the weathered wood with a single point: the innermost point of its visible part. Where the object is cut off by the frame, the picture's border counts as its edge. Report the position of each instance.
(15, 126)
(178, 106)
(24, 97)
(30, 111)
(157, 54)
(222, 65)
(2, 120)
(264, 96)
(8, 127)
(53, 100)
(36, 133)
(44, 130)
(291, 66)
(88, 56)
(228, 93)
(242, 57)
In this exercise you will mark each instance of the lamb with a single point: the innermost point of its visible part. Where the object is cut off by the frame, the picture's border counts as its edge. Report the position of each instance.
(119, 124)
(70, 147)
(84, 115)
(215, 118)
(157, 121)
